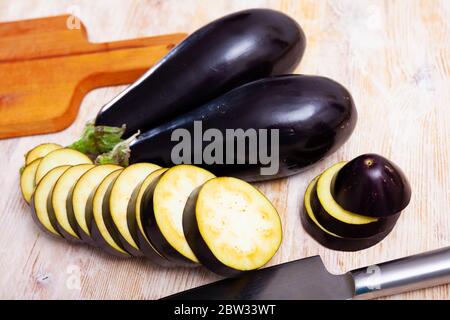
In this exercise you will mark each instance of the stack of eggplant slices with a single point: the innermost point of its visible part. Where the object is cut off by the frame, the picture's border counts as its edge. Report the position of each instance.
(117, 188)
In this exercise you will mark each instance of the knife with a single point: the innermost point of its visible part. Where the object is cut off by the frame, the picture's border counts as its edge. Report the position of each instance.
(309, 279)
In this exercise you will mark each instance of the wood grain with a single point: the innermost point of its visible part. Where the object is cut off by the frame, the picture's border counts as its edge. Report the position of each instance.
(50, 62)
(392, 55)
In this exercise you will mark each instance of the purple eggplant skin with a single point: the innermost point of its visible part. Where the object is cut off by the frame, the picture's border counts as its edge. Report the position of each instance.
(371, 185)
(314, 116)
(352, 231)
(224, 54)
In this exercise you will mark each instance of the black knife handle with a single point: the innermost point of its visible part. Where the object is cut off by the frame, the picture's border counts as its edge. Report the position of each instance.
(406, 274)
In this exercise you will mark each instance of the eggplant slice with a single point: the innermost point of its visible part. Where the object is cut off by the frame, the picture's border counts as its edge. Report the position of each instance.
(121, 193)
(231, 226)
(162, 211)
(40, 151)
(60, 157)
(330, 205)
(103, 231)
(62, 201)
(327, 238)
(144, 243)
(82, 195)
(43, 213)
(27, 181)
(349, 230)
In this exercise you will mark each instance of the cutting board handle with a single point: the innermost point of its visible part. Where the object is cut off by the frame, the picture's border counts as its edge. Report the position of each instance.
(51, 67)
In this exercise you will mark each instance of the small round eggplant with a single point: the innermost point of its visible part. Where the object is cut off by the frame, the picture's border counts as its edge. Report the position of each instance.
(329, 239)
(371, 185)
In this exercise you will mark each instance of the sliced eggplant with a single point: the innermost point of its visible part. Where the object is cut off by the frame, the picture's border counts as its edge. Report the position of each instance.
(371, 185)
(144, 243)
(162, 208)
(338, 220)
(343, 229)
(62, 201)
(60, 157)
(103, 231)
(328, 239)
(40, 151)
(27, 181)
(82, 195)
(231, 226)
(121, 193)
(330, 205)
(43, 213)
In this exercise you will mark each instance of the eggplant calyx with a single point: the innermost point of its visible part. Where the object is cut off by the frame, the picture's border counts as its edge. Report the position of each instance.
(120, 154)
(96, 140)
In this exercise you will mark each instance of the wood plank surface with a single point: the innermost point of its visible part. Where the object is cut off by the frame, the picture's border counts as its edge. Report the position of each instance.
(394, 56)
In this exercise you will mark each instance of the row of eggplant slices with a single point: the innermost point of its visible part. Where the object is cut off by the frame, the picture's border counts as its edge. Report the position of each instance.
(182, 216)
(354, 205)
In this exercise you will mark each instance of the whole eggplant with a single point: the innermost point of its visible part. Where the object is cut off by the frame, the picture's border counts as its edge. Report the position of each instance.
(314, 116)
(226, 53)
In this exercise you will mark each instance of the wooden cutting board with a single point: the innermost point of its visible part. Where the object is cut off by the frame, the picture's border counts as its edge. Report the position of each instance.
(48, 65)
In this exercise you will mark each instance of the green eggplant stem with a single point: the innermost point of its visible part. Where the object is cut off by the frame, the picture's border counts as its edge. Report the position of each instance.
(97, 140)
(119, 155)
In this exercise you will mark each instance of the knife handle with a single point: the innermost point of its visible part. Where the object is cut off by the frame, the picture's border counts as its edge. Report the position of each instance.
(406, 274)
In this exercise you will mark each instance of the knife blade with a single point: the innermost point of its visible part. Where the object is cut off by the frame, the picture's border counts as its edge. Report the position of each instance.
(308, 279)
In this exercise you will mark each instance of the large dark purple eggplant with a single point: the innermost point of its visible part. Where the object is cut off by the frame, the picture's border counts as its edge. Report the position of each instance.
(224, 54)
(314, 116)
(371, 185)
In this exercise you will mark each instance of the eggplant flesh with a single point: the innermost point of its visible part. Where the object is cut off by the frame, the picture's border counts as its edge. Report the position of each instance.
(329, 239)
(102, 229)
(147, 248)
(43, 213)
(371, 185)
(226, 53)
(162, 208)
(231, 227)
(314, 117)
(349, 230)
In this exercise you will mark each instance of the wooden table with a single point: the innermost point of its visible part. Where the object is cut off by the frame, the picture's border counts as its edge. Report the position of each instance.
(392, 55)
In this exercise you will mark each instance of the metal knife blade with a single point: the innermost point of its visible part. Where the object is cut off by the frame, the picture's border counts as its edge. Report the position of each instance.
(303, 279)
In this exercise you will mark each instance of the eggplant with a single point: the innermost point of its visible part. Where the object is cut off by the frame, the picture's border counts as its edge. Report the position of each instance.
(42, 211)
(81, 198)
(145, 246)
(162, 208)
(329, 239)
(121, 192)
(60, 157)
(371, 185)
(27, 179)
(40, 151)
(338, 220)
(224, 54)
(314, 116)
(61, 201)
(102, 231)
(361, 230)
(231, 226)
